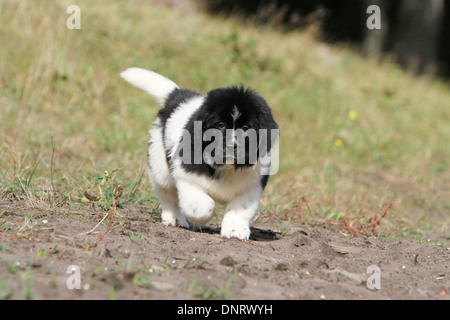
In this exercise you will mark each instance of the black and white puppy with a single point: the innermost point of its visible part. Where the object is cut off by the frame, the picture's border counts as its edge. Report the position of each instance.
(205, 148)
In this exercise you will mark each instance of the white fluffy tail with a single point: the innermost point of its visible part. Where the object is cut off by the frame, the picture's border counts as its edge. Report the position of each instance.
(156, 85)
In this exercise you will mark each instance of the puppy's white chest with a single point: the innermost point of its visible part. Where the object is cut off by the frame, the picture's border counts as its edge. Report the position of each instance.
(232, 184)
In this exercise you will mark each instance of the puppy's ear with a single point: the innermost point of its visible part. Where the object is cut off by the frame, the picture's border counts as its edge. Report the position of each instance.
(273, 133)
(268, 137)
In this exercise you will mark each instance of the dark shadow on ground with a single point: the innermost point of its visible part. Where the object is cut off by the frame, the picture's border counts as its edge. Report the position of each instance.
(256, 234)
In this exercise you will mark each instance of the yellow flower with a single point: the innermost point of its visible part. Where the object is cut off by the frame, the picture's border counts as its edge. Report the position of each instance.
(352, 115)
(338, 142)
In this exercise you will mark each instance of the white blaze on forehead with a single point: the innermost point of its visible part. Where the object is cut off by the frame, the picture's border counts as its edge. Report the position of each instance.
(235, 114)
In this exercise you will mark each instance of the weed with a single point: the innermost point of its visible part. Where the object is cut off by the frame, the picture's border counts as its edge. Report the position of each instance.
(133, 238)
(116, 259)
(4, 247)
(112, 292)
(113, 191)
(167, 257)
(130, 259)
(283, 230)
(158, 268)
(105, 185)
(203, 291)
(52, 280)
(142, 279)
(6, 226)
(41, 253)
(27, 225)
(27, 280)
(191, 262)
(360, 227)
(13, 266)
(5, 292)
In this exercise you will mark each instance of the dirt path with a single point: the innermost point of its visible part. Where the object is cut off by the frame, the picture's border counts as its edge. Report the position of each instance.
(41, 256)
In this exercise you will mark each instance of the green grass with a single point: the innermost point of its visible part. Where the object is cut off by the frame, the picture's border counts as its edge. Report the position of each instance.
(354, 133)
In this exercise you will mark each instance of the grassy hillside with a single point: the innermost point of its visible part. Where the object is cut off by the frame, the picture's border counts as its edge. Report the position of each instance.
(354, 134)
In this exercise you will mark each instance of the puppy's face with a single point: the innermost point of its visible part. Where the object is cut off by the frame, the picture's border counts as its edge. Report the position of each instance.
(245, 123)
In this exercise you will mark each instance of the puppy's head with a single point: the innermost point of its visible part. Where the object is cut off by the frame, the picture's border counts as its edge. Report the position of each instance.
(238, 127)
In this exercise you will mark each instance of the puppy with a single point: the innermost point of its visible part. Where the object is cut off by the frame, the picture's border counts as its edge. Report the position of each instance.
(205, 148)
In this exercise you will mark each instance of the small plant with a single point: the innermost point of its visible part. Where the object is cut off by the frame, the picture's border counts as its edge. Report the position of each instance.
(203, 290)
(167, 257)
(142, 279)
(190, 262)
(283, 230)
(27, 279)
(5, 292)
(357, 227)
(135, 239)
(105, 185)
(13, 266)
(112, 194)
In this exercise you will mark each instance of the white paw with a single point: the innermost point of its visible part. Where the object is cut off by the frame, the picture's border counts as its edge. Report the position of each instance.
(233, 227)
(198, 210)
(170, 220)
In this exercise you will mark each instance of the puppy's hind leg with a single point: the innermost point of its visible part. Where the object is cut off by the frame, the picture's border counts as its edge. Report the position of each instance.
(162, 183)
(170, 214)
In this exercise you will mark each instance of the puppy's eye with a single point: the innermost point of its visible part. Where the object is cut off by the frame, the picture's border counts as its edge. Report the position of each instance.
(245, 128)
(221, 125)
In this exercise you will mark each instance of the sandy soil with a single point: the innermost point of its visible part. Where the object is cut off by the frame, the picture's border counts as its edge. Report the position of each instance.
(142, 259)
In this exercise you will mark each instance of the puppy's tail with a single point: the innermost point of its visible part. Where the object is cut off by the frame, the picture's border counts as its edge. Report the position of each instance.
(156, 85)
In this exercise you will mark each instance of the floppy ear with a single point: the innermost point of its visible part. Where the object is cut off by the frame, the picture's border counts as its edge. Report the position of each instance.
(267, 120)
(265, 147)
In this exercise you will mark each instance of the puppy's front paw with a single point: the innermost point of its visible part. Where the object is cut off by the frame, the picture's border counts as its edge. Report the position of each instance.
(197, 208)
(233, 227)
